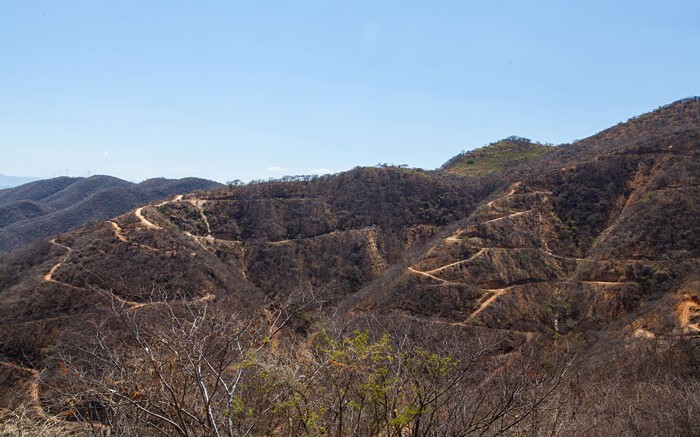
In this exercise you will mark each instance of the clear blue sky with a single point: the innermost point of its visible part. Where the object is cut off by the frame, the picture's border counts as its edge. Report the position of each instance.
(256, 89)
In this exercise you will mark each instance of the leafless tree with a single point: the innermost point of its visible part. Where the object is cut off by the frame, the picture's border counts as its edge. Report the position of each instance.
(195, 369)
(178, 367)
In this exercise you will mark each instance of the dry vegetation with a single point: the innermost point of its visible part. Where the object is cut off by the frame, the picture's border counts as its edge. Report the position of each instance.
(556, 295)
(43, 208)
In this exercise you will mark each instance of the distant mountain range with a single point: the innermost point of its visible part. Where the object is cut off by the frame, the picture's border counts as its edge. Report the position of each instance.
(13, 181)
(47, 207)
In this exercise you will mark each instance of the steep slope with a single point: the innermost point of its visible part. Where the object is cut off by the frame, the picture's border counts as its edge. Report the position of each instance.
(562, 227)
(567, 247)
(646, 130)
(337, 230)
(43, 208)
(22, 210)
(593, 245)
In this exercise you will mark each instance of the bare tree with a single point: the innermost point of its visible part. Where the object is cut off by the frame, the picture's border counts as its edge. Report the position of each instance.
(194, 369)
(181, 368)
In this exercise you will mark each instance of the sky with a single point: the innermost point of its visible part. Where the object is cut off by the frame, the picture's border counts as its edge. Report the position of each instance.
(229, 90)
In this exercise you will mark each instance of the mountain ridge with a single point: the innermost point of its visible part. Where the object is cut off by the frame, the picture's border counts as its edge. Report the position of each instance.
(591, 248)
(42, 208)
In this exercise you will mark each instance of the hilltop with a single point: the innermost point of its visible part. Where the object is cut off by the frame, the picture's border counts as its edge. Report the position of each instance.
(521, 289)
(495, 157)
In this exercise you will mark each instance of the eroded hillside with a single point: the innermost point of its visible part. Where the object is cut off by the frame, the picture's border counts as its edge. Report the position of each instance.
(40, 209)
(591, 248)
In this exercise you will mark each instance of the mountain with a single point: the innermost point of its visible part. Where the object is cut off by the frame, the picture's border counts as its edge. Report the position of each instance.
(47, 207)
(496, 157)
(521, 289)
(13, 181)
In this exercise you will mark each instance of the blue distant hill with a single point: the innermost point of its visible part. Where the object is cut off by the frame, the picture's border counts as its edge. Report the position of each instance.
(13, 181)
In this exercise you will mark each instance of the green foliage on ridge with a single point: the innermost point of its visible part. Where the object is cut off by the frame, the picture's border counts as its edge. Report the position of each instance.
(496, 157)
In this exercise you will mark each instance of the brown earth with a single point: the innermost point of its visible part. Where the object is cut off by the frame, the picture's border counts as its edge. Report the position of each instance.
(595, 242)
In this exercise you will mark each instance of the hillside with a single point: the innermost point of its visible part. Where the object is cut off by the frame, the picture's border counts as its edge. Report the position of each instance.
(43, 208)
(520, 290)
(496, 157)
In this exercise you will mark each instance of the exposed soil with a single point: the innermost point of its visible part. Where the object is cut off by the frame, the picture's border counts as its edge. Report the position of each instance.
(687, 309)
(118, 231)
(48, 277)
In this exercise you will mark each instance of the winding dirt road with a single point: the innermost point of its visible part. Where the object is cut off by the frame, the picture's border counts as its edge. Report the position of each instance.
(34, 401)
(48, 277)
(118, 232)
(471, 258)
(130, 305)
(515, 214)
(684, 314)
(138, 212)
(511, 192)
(34, 404)
(428, 275)
(199, 204)
(491, 295)
(496, 293)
